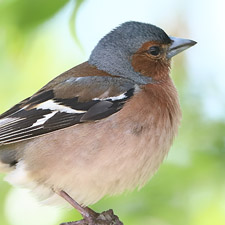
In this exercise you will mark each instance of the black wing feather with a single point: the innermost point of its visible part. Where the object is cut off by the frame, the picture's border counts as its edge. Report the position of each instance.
(14, 109)
(26, 120)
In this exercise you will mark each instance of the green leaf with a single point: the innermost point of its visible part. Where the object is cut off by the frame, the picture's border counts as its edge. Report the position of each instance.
(26, 14)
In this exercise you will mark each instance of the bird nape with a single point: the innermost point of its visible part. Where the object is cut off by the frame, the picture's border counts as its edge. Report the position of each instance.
(100, 128)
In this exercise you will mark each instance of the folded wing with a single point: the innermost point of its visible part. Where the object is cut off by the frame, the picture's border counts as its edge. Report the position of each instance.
(73, 101)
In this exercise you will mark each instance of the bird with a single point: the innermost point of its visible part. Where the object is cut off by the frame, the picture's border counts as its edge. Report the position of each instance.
(102, 127)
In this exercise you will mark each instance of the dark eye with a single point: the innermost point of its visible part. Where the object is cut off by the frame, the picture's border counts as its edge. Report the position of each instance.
(154, 50)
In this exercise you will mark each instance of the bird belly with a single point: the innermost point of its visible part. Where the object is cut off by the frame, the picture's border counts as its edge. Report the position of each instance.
(89, 166)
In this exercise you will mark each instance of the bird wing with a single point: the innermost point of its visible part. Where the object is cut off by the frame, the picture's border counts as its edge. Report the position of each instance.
(72, 101)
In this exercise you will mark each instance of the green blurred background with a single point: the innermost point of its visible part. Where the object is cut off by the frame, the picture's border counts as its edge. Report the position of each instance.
(41, 39)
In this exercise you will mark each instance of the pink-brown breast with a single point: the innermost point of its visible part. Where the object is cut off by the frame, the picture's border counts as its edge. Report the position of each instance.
(109, 156)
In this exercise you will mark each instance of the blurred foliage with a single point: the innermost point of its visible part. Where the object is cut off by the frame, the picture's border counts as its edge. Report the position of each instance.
(73, 21)
(25, 15)
(18, 17)
(189, 187)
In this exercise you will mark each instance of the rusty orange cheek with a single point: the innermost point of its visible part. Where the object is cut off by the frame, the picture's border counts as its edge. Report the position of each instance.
(143, 64)
(157, 69)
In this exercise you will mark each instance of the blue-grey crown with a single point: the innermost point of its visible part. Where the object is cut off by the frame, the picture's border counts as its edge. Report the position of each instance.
(113, 52)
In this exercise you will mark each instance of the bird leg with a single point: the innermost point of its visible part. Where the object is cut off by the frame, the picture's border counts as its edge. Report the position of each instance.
(84, 211)
(90, 217)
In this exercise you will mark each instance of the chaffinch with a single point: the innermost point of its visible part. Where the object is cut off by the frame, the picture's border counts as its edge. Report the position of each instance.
(100, 128)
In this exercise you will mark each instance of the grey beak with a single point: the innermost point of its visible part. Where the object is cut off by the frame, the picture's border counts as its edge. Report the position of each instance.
(178, 45)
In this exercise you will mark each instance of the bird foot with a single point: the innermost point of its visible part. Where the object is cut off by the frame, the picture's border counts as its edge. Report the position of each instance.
(90, 217)
(104, 218)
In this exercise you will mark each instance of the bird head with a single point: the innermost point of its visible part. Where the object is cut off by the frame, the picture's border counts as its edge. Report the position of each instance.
(138, 51)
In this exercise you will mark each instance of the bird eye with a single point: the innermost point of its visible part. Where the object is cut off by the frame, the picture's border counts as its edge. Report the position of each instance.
(154, 50)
